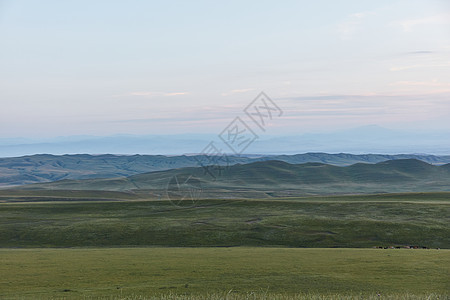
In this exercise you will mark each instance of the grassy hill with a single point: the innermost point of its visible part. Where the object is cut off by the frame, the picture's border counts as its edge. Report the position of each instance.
(48, 168)
(277, 178)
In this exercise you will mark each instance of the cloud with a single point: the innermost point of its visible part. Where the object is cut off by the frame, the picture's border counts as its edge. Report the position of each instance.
(431, 83)
(175, 94)
(432, 86)
(338, 109)
(153, 94)
(402, 68)
(439, 19)
(237, 91)
(420, 52)
(348, 28)
(359, 15)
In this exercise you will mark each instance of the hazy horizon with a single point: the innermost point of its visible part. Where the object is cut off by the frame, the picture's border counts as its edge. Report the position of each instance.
(360, 140)
(161, 68)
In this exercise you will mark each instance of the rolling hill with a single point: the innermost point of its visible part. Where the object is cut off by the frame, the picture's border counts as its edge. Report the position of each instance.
(275, 178)
(48, 168)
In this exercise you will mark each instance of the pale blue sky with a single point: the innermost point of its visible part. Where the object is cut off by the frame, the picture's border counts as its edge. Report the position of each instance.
(168, 67)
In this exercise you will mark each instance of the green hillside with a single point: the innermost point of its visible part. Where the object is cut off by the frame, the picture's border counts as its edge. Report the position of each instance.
(276, 178)
(16, 171)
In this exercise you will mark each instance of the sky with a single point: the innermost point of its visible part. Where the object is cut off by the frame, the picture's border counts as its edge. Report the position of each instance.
(189, 67)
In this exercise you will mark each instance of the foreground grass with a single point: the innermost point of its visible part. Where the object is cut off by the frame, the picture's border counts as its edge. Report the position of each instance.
(223, 273)
(271, 296)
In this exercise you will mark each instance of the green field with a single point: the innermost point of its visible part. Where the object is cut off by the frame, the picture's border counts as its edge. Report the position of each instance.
(115, 245)
(346, 221)
(242, 273)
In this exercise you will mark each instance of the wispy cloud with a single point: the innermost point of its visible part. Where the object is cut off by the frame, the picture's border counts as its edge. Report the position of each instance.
(237, 91)
(416, 66)
(351, 25)
(431, 83)
(439, 19)
(153, 94)
(420, 52)
(373, 108)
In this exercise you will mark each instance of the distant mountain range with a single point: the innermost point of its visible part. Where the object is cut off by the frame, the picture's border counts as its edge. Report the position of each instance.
(47, 168)
(365, 139)
(273, 178)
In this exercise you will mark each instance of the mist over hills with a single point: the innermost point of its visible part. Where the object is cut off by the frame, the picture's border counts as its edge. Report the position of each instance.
(276, 178)
(48, 168)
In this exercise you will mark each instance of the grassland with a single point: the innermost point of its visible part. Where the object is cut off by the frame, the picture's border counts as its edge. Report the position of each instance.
(116, 245)
(138, 273)
(346, 222)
